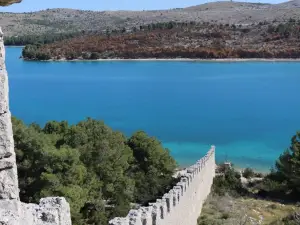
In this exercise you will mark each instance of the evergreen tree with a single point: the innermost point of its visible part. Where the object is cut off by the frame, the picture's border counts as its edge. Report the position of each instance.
(98, 170)
(153, 167)
(288, 164)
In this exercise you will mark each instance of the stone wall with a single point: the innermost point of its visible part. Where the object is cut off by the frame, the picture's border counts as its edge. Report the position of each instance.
(50, 211)
(182, 205)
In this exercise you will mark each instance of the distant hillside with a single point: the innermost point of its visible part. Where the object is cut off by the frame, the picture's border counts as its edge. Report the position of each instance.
(69, 20)
(178, 40)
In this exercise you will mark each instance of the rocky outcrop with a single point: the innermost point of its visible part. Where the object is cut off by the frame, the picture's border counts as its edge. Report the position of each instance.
(50, 211)
(8, 2)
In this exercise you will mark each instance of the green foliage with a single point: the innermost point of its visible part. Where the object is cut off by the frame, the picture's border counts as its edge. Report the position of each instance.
(205, 220)
(283, 182)
(292, 219)
(248, 173)
(95, 55)
(39, 39)
(285, 30)
(98, 170)
(229, 183)
(153, 167)
(288, 164)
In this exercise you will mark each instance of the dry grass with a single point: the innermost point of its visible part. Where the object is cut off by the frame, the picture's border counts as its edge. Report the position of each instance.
(243, 211)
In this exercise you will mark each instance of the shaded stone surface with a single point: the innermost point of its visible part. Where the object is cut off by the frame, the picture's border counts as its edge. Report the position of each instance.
(9, 2)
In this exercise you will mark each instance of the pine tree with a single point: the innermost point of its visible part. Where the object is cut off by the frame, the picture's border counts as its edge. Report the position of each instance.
(288, 164)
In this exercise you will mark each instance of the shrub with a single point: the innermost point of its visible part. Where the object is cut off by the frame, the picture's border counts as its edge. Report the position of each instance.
(248, 173)
(260, 175)
(204, 220)
(292, 219)
(95, 55)
(225, 216)
(229, 183)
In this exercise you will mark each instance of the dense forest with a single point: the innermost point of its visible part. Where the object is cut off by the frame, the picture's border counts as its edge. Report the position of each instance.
(178, 40)
(98, 170)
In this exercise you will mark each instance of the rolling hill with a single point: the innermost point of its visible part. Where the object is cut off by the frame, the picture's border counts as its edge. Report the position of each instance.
(70, 20)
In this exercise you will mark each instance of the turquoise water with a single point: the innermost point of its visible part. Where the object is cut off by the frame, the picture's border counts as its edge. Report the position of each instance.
(249, 110)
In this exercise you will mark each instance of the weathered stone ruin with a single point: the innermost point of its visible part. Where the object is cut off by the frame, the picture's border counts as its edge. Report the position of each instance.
(183, 204)
(50, 211)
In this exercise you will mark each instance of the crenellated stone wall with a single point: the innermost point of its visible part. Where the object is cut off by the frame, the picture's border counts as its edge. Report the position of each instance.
(50, 211)
(182, 205)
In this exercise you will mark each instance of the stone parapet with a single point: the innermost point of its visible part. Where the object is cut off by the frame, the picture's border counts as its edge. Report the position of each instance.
(183, 203)
(50, 211)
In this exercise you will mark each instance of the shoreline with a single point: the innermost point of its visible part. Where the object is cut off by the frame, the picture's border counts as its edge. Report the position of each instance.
(179, 171)
(174, 60)
(181, 168)
(14, 46)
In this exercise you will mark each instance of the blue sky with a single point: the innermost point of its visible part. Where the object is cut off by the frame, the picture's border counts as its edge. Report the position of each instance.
(34, 5)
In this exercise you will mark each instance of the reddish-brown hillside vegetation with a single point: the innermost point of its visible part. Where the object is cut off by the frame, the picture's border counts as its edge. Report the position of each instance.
(179, 40)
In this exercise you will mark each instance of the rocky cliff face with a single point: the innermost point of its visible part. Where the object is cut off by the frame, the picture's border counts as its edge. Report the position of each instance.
(50, 211)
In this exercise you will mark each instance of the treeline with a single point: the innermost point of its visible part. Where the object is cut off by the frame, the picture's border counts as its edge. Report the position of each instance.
(48, 38)
(177, 40)
(39, 39)
(98, 170)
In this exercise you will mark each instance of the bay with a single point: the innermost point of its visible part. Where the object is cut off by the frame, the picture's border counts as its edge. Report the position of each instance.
(249, 110)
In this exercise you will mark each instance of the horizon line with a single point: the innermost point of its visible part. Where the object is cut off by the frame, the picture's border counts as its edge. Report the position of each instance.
(140, 10)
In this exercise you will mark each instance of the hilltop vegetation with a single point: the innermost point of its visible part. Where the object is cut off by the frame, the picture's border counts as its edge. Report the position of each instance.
(98, 170)
(178, 40)
(38, 39)
(70, 21)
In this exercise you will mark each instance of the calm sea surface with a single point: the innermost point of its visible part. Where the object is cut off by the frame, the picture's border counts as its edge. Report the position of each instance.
(249, 110)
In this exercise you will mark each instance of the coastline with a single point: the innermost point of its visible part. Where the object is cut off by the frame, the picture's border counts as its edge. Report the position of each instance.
(238, 168)
(14, 46)
(179, 171)
(176, 60)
